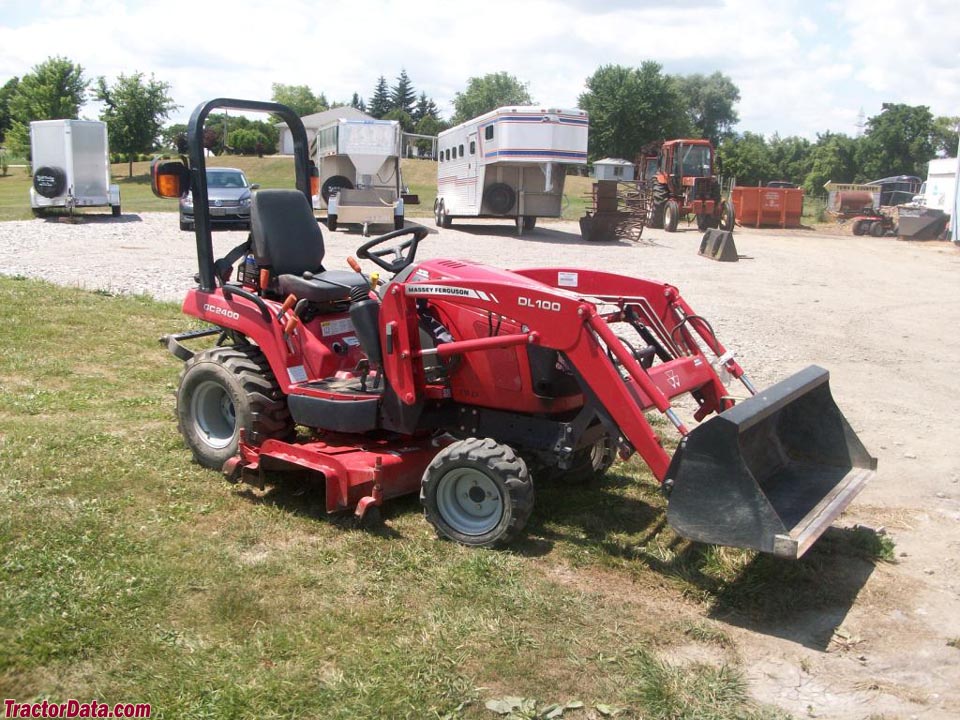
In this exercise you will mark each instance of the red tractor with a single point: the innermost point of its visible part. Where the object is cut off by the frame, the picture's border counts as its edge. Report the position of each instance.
(679, 182)
(467, 383)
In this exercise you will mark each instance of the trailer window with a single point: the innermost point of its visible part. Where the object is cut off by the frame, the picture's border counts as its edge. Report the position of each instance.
(488, 132)
(461, 151)
(473, 147)
(448, 153)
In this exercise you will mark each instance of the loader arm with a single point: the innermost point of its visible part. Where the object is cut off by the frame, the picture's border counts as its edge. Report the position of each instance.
(770, 473)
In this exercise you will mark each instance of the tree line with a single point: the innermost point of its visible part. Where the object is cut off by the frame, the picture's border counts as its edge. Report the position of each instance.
(632, 110)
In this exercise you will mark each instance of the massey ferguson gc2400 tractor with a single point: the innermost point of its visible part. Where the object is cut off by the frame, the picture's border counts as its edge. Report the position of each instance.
(468, 383)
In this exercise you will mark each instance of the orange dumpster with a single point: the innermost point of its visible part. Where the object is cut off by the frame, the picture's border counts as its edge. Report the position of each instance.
(777, 207)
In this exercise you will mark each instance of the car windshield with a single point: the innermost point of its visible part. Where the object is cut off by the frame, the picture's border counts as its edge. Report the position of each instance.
(226, 180)
(695, 160)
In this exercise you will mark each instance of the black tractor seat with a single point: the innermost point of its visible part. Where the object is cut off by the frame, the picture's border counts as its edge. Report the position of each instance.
(323, 287)
(287, 240)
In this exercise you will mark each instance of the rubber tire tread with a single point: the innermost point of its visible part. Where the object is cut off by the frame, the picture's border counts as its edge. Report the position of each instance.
(659, 202)
(504, 466)
(248, 371)
(671, 216)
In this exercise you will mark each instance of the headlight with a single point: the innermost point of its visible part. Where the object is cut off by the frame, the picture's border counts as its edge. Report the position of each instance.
(245, 202)
(188, 200)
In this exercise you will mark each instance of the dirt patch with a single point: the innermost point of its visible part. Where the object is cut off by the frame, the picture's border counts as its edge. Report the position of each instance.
(880, 314)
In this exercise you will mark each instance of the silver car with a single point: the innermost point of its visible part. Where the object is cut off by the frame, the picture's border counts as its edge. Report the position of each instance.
(228, 193)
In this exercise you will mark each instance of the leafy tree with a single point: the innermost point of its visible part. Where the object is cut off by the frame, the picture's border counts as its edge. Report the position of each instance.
(709, 101)
(832, 157)
(54, 89)
(428, 125)
(6, 92)
(357, 102)
(630, 108)
(789, 158)
(898, 141)
(747, 158)
(134, 111)
(406, 122)
(174, 137)
(402, 95)
(944, 135)
(247, 141)
(380, 102)
(487, 93)
(299, 98)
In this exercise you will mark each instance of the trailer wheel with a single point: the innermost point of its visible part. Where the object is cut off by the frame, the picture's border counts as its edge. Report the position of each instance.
(727, 217)
(331, 184)
(332, 222)
(529, 222)
(671, 216)
(115, 210)
(49, 181)
(445, 219)
(499, 198)
(876, 228)
(225, 389)
(477, 492)
(398, 222)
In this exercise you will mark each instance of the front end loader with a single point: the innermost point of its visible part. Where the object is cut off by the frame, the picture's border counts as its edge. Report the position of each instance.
(469, 383)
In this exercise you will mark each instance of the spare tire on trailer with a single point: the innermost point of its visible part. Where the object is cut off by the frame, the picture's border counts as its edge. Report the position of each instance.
(499, 198)
(49, 181)
(335, 182)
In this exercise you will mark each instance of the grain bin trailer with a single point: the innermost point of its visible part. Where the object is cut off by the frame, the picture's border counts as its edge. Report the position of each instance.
(509, 163)
(71, 166)
(359, 166)
(467, 383)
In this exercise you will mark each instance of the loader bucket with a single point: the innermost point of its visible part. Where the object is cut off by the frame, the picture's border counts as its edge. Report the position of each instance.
(772, 472)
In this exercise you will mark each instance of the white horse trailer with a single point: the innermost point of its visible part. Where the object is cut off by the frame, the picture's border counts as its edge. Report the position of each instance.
(509, 163)
(71, 161)
(359, 164)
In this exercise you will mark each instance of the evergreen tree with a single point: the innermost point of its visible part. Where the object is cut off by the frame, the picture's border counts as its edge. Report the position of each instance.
(380, 102)
(402, 96)
(357, 102)
(426, 107)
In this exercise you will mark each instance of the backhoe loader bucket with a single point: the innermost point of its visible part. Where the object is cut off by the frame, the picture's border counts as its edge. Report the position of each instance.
(772, 472)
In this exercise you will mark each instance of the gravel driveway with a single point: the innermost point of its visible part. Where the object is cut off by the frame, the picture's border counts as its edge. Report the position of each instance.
(880, 314)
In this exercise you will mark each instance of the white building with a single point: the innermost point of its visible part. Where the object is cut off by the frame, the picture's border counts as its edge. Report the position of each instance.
(613, 169)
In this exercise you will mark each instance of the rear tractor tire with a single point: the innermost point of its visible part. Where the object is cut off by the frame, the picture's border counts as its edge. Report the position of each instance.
(658, 202)
(477, 492)
(225, 389)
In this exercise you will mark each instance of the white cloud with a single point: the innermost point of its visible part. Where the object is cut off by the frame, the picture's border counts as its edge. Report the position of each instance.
(802, 67)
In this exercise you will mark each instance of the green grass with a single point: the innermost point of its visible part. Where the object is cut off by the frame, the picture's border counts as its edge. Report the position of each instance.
(271, 172)
(129, 573)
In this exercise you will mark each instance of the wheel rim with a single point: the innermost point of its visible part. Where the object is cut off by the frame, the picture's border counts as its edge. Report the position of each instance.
(598, 454)
(436, 212)
(469, 501)
(213, 414)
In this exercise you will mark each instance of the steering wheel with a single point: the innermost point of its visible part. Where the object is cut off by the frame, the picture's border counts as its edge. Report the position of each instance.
(401, 259)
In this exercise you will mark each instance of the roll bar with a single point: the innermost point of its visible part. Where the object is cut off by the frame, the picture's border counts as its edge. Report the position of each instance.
(198, 170)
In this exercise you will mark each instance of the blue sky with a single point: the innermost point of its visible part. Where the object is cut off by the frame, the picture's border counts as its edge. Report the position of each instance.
(802, 67)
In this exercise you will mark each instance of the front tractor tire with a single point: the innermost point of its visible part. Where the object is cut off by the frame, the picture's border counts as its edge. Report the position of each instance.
(671, 216)
(225, 389)
(477, 492)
